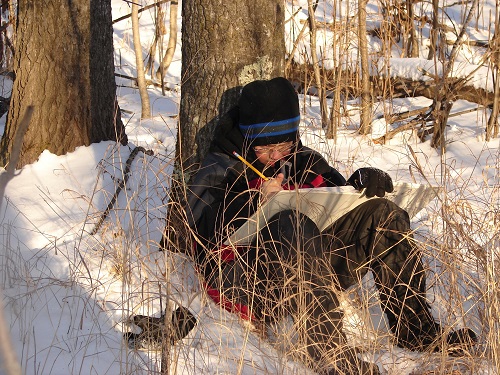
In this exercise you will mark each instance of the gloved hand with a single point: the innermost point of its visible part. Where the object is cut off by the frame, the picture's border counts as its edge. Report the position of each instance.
(376, 181)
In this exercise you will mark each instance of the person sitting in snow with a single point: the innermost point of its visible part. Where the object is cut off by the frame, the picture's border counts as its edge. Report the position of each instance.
(291, 268)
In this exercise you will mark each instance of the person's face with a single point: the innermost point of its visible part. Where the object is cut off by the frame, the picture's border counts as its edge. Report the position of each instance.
(270, 154)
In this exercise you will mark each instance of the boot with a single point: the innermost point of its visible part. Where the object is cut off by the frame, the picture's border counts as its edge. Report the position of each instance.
(430, 336)
(153, 330)
(350, 364)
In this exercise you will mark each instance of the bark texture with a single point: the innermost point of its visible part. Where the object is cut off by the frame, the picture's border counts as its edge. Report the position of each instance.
(366, 91)
(64, 68)
(225, 44)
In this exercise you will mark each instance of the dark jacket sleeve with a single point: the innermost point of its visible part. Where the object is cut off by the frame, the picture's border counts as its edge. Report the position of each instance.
(334, 178)
(312, 164)
(203, 191)
(219, 199)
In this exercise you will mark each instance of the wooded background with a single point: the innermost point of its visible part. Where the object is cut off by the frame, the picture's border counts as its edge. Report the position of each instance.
(61, 56)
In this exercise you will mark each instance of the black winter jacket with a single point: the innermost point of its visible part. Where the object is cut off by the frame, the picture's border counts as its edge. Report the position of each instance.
(225, 192)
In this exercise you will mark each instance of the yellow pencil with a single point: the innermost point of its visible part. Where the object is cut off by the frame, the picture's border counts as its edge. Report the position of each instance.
(250, 166)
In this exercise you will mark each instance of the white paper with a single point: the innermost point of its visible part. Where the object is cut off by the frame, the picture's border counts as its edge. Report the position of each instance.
(327, 204)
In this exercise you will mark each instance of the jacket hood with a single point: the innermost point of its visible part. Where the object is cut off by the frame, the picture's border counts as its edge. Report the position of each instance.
(227, 136)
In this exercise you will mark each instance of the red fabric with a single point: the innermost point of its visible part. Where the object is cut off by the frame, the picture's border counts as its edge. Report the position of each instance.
(236, 308)
(255, 183)
(319, 181)
(227, 254)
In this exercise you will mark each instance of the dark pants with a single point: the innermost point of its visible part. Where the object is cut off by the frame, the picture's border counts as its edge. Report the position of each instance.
(294, 269)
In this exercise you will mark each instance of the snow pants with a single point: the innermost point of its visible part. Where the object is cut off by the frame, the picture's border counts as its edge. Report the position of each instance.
(293, 269)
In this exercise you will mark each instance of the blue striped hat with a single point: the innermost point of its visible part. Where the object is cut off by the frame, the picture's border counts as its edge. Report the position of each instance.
(269, 112)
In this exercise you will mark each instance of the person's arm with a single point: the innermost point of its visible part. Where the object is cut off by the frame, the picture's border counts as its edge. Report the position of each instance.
(219, 198)
(334, 178)
(316, 170)
(203, 192)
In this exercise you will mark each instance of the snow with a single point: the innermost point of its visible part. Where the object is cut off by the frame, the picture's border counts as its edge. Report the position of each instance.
(67, 294)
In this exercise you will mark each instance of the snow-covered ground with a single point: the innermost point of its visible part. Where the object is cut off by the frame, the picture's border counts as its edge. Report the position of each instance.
(67, 293)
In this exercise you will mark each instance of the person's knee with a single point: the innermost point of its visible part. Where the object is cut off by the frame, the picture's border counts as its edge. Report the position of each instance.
(287, 224)
(387, 210)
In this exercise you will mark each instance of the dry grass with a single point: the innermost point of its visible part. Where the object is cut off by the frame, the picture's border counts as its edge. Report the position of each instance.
(121, 271)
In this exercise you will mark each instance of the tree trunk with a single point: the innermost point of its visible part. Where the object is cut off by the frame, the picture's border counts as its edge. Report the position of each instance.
(445, 89)
(441, 112)
(366, 95)
(225, 44)
(64, 68)
(157, 40)
(492, 127)
(172, 43)
(412, 47)
(335, 116)
(434, 30)
(323, 108)
(223, 48)
(139, 64)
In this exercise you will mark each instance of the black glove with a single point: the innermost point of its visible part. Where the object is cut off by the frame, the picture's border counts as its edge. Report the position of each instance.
(376, 181)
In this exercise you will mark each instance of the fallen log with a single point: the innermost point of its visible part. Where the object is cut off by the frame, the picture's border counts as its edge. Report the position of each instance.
(301, 75)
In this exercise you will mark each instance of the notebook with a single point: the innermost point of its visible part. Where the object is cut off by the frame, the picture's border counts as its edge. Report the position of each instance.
(327, 204)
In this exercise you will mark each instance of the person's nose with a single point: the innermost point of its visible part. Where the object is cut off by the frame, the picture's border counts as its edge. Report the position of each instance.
(276, 155)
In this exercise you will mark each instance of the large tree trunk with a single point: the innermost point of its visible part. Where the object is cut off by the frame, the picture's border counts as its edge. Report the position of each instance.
(64, 68)
(225, 44)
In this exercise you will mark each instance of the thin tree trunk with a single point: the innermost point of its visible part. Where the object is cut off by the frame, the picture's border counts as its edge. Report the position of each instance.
(159, 32)
(334, 121)
(434, 30)
(141, 78)
(441, 112)
(492, 127)
(317, 74)
(299, 37)
(445, 91)
(412, 48)
(366, 96)
(172, 42)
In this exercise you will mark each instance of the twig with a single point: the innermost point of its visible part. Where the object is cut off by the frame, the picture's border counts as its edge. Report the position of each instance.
(121, 185)
(141, 10)
(416, 121)
(148, 81)
(390, 134)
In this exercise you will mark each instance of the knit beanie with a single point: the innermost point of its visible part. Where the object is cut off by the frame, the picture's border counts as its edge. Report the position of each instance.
(269, 112)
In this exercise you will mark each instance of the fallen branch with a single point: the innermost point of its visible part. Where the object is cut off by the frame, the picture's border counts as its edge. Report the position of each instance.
(141, 10)
(392, 133)
(406, 114)
(149, 82)
(420, 119)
